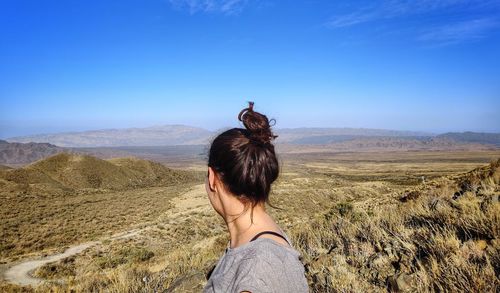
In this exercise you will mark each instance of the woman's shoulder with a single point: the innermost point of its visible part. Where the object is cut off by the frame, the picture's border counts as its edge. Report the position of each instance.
(262, 265)
(267, 248)
(263, 247)
(276, 265)
(266, 256)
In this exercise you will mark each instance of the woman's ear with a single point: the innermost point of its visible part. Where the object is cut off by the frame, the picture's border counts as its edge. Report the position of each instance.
(212, 177)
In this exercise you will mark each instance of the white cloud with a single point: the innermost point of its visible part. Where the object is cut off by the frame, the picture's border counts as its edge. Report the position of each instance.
(351, 19)
(459, 32)
(389, 9)
(431, 22)
(227, 7)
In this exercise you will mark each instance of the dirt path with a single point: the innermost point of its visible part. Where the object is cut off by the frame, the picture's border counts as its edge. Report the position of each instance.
(194, 200)
(20, 273)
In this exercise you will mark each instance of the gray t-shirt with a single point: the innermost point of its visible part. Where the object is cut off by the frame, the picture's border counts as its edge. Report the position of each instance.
(262, 265)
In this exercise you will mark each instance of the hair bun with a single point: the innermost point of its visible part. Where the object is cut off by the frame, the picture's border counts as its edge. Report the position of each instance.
(257, 124)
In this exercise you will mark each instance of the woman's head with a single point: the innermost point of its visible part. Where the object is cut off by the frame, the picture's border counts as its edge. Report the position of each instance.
(244, 159)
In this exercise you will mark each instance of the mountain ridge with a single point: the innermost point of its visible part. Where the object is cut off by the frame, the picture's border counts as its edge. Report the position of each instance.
(473, 137)
(188, 141)
(178, 134)
(175, 134)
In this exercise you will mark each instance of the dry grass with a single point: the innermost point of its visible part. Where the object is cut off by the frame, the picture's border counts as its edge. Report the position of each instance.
(376, 228)
(431, 243)
(47, 205)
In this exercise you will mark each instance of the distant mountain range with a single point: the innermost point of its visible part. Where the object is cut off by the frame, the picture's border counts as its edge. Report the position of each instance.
(148, 136)
(187, 142)
(385, 144)
(333, 135)
(168, 135)
(473, 137)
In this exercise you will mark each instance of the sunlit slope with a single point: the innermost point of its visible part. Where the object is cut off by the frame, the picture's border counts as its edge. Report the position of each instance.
(70, 198)
(439, 236)
(68, 172)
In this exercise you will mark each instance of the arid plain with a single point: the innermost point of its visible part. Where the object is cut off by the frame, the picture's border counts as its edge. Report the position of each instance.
(364, 221)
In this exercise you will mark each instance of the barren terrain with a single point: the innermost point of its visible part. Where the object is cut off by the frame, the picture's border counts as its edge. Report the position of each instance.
(335, 209)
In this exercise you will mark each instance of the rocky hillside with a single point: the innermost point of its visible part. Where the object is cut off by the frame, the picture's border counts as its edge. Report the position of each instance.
(23, 153)
(443, 236)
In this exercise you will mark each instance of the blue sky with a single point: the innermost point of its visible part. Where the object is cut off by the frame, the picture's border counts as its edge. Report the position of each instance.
(425, 65)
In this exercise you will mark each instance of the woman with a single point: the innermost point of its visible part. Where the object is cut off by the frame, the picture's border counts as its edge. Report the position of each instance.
(242, 165)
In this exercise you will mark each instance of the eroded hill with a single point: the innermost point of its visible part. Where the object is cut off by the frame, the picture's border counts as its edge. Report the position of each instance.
(69, 198)
(66, 173)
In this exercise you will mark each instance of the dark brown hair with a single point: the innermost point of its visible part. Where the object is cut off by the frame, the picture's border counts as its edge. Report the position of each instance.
(244, 158)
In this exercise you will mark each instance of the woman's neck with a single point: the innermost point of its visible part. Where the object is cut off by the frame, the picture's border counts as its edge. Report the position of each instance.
(241, 229)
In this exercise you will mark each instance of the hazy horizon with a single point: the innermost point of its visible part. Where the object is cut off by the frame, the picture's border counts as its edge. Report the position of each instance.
(9, 130)
(430, 133)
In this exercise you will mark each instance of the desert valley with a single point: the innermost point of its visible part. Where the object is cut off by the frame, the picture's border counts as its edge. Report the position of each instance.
(369, 210)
